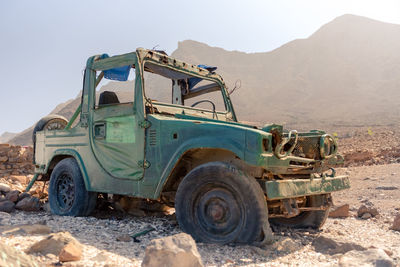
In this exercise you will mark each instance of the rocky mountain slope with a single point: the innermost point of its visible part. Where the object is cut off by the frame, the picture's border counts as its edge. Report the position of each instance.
(6, 136)
(346, 73)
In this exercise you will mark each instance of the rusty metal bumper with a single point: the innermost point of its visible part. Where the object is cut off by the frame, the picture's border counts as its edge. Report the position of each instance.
(280, 189)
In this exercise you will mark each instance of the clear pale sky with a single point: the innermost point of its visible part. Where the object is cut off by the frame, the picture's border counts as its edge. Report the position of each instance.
(44, 44)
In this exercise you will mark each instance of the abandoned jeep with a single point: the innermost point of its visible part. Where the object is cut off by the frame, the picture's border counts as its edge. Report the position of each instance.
(166, 130)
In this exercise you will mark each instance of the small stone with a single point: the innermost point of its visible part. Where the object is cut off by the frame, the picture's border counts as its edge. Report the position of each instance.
(4, 217)
(396, 223)
(366, 216)
(7, 206)
(5, 188)
(179, 249)
(12, 257)
(3, 159)
(23, 195)
(326, 245)
(70, 252)
(124, 238)
(340, 212)
(28, 204)
(370, 257)
(19, 178)
(388, 252)
(53, 243)
(13, 195)
(364, 209)
(30, 229)
(286, 245)
(101, 257)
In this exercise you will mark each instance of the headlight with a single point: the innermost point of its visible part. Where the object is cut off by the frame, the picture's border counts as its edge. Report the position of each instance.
(327, 146)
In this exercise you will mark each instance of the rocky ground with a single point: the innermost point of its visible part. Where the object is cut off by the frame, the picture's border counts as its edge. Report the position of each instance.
(106, 241)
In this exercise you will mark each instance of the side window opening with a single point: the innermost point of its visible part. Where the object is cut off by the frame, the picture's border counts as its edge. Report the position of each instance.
(113, 92)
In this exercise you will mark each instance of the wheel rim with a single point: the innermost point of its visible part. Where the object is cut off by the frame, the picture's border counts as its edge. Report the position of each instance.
(65, 192)
(218, 212)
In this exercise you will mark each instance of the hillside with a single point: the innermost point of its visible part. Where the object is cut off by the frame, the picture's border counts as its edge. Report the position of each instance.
(346, 73)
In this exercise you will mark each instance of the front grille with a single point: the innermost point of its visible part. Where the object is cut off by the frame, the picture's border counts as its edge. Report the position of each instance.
(306, 147)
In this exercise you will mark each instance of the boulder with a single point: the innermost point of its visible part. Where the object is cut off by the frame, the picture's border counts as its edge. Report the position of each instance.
(12, 257)
(7, 206)
(53, 244)
(13, 195)
(370, 257)
(367, 209)
(28, 204)
(23, 195)
(340, 212)
(396, 223)
(4, 188)
(177, 250)
(70, 252)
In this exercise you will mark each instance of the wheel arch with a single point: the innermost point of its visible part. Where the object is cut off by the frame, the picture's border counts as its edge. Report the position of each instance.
(61, 154)
(193, 157)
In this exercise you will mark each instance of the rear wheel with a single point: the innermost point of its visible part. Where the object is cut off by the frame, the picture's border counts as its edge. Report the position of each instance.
(307, 219)
(216, 203)
(67, 191)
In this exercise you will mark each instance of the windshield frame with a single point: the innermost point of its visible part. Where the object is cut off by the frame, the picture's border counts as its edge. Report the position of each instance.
(208, 76)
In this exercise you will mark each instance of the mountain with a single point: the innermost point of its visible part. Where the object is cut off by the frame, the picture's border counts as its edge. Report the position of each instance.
(6, 136)
(346, 73)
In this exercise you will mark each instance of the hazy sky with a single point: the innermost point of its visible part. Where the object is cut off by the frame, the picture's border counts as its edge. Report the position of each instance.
(44, 44)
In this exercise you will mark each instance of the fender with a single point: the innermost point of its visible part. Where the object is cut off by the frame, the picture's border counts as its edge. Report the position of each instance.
(194, 143)
(78, 158)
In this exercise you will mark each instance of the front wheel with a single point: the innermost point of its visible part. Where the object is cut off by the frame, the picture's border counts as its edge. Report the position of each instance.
(67, 192)
(217, 203)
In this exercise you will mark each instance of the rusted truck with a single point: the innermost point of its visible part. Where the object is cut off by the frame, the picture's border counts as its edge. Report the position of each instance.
(227, 180)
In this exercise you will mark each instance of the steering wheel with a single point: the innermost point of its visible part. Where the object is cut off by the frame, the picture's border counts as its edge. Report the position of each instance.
(208, 101)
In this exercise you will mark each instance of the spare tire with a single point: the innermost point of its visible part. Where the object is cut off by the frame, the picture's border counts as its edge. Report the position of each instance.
(50, 122)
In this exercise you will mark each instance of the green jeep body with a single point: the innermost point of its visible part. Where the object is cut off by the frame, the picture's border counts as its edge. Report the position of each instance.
(145, 148)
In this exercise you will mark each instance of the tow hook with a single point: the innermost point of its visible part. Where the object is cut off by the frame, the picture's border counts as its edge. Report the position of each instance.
(285, 140)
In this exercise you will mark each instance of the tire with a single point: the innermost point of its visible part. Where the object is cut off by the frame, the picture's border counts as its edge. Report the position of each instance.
(50, 122)
(307, 219)
(217, 203)
(67, 192)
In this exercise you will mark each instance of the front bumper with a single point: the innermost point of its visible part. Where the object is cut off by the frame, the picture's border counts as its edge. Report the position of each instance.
(280, 189)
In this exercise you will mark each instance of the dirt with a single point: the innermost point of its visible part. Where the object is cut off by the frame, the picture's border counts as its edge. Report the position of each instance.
(376, 184)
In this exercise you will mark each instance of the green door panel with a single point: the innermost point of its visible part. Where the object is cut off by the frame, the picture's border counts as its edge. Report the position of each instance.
(119, 130)
(118, 141)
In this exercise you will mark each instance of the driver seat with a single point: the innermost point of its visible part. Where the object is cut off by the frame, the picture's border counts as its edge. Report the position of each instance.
(108, 97)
